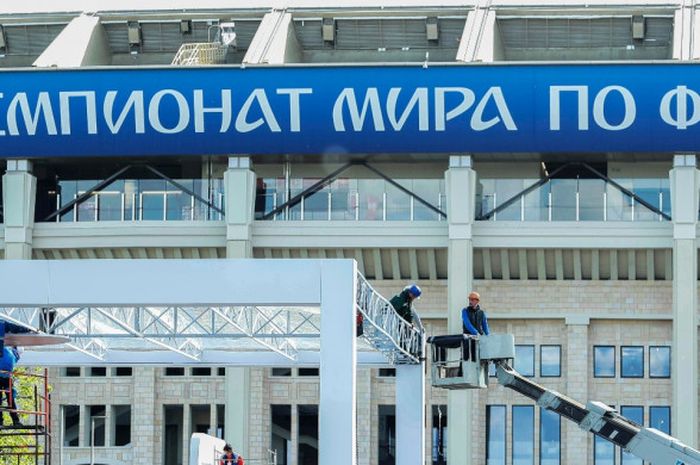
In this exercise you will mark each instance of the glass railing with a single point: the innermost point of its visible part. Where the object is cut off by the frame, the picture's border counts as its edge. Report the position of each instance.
(139, 200)
(574, 200)
(353, 200)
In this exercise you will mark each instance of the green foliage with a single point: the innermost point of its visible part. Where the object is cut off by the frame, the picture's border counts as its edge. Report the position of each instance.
(27, 442)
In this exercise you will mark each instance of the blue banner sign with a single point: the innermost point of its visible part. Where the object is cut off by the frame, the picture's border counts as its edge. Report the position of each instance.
(354, 109)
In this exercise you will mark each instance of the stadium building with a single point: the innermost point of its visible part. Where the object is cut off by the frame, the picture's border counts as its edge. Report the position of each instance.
(541, 153)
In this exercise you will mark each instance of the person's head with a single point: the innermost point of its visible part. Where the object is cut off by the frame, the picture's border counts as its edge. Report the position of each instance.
(474, 299)
(227, 448)
(414, 291)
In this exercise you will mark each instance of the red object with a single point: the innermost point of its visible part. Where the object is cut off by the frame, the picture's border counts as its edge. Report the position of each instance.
(240, 460)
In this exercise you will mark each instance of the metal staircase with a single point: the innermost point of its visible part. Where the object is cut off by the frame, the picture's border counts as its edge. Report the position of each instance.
(400, 341)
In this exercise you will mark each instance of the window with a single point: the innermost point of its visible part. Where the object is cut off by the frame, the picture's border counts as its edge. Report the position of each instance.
(308, 372)
(636, 414)
(525, 360)
(495, 435)
(220, 420)
(387, 435)
(439, 450)
(173, 426)
(98, 371)
(221, 371)
(659, 362)
(121, 416)
(308, 434)
(632, 361)
(123, 371)
(603, 452)
(199, 419)
(523, 435)
(604, 361)
(387, 372)
(96, 425)
(201, 371)
(660, 418)
(550, 361)
(71, 425)
(281, 440)
(71, 371)
(550, 438)
(174, 371)
(281, 372)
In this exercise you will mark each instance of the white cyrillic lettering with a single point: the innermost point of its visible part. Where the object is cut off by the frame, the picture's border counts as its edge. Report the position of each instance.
(90, 110)
(477, 122)
(441, 117)
(599, 108)
(294, 106)
(182, 108)
(419, 97)
(555, 106)
(242, 124)
(681, 121)
(200, 109)
(135, 102)
(358, 119)
(43, 107)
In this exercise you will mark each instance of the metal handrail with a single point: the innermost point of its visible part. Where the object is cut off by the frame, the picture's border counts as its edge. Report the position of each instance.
(201, 53)
(400, 341)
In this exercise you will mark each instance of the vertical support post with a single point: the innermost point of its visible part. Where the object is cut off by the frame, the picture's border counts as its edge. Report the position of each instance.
(577, 358)
(337, 409)
(19, 199)
(685, 184)
(410, 414)
(237, 409)
(460, 181)
(145, 427)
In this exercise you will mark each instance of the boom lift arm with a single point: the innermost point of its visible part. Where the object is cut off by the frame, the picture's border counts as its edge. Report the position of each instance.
(470, 371)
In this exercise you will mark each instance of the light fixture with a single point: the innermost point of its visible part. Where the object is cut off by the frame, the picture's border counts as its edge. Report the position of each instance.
(431, 28)
(328, 30)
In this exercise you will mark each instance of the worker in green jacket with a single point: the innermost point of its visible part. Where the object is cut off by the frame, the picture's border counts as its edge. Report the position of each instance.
(403, 302)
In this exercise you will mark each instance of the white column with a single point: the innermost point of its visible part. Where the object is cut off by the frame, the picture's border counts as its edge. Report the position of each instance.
(684, 201)
(410, 414)
(575, 440)
(237, 409)
(364, 415)
(460, 183)
(239, 188)
(19, 199)
(337, 409)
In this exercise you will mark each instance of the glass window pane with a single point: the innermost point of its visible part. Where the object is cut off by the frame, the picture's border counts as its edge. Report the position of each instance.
(398, 203)
(525, 360)
(110, 206)
(604, 362)
(220, 420)
(387, 435)
(308, 371)
(591, 193)
(281, 440)
(563, 199)
(603, 452)
(550, 361)
(550, 438)
(342, 200)
(430, 191)
(636, 414)
(523, 435)
(308, 434)
(71, 424)
(371, 198)
(174, 371)
(495, 435)
(632, 363)
(97, 423)
(200, 417)
(173, 426)
(121, 416)
(660, 362)
(660, 418)
(283, 371)
(152, 205)
(439, 450)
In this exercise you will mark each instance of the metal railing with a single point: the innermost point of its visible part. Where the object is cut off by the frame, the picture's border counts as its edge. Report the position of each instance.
(401, 341)
(203, 53)
(572, 200)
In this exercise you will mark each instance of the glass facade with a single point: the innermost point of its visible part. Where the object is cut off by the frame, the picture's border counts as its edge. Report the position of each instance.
(604, 361)
(495, 435)
(550, 438)
(523, 446)
(632, 361)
